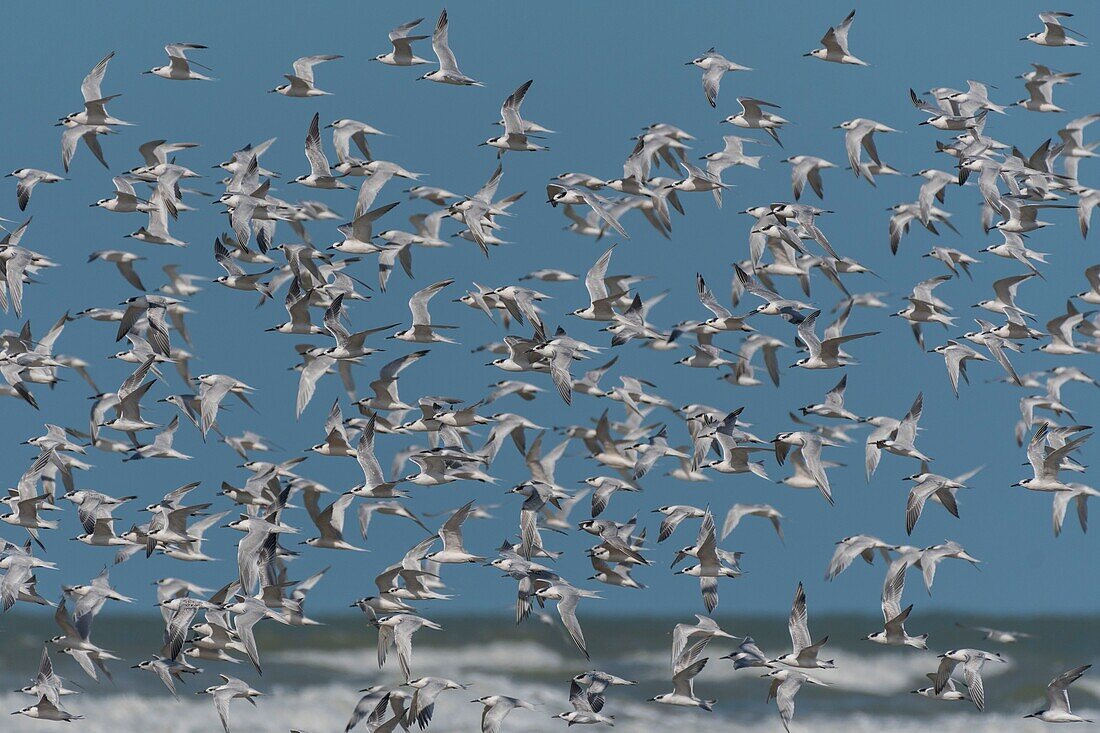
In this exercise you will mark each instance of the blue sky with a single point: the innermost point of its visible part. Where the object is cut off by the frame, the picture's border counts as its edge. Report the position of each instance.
(601, 72)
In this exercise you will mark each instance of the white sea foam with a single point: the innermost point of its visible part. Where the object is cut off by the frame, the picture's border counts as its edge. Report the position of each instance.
(525, 657)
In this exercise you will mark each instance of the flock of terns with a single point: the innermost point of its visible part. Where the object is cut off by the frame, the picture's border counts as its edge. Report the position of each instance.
(786, 240)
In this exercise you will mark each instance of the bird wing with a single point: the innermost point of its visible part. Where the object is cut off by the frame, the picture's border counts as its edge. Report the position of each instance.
(509, 111)
(318, 163)
(706, 297)
(892, 590)
(303, 67)
(972, 675)
(364, 454)
(1057, 690)
(418, 303)
(784, 697)
(907, 428)
(90, 86)
(943, 674)
(799, 622)
(567, 609)
(447, 60)
(712, 80)
(807, 334)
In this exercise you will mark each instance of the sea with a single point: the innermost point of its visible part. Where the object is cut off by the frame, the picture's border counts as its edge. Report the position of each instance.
(311, 676)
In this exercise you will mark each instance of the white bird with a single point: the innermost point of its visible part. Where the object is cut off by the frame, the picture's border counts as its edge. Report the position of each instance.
(301, 81)
(1047, 464)
(824, 354)
(753, 117)
(998, 635)
(600, 299)
(515, 132)
(683, 688)
(448, 72)
(739, 511)
(807, 169)
(1054, 33)
(230, 689)
(600, 206)
(29, 178)
(972, 661)
(422, 330)
(179, 66)
(497, 708)
(901, 441)
(568, 597)
(329, 522)
(785, 684)
(320, 173)
(955, 356)
(1058, 709)
(809, 448)
(689, 640)
(949, 692)
(711, 565)
(714, 66)
(834, 404)
(894, 617)
(397, 630)
(583, 712)
(859, 136)
(835, 42)
(451, 534)
(402, 53)
(46, 710)
(675, 514)
(422, 705)
(804, 651)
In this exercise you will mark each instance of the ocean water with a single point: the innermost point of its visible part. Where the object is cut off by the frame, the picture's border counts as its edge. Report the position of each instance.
(311, 675)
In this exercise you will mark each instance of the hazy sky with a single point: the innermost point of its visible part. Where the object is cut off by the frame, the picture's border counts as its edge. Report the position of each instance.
(601, 71)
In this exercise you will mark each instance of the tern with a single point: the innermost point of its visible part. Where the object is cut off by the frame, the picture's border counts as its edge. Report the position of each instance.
(714, 66)
(753, 116)
(972, 661)
(301, 81)
(29, 178)
(785, 684)
(448, 72)
(230, 689)
(179, 66)
(515, 132)
(402, 53)
(835, 42)
(805, 652)
(824, 354)
(1046, 465)
(1058, 709)
(422, 329)
(683, 693)
(892, 613)
(1054, 33)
